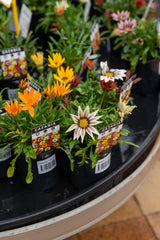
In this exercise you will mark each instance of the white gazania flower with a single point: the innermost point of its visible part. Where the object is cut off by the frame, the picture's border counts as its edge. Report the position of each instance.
(83, 123)
(124, 109)
(111, 74)
(62, 4)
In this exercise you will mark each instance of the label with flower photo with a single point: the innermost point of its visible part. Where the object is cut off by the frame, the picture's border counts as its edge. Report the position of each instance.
(95, 36)
(86, 56)
(46, 137)
(108, 137)
(126, 91)
(13, 63)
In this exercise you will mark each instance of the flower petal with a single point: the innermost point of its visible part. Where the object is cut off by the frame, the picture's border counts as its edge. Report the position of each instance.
(83, 131)
(75, 118)
(80, 112)
(72, 127)
(86, 112)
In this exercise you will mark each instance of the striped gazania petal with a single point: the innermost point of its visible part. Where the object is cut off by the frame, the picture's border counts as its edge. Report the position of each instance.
(75, 118)
(80, 112)
(86, 112)
(72, 127)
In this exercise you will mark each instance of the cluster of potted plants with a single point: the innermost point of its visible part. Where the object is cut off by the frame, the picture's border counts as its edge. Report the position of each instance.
(61, 109)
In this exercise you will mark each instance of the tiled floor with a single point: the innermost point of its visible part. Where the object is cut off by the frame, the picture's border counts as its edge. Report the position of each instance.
(137, 219)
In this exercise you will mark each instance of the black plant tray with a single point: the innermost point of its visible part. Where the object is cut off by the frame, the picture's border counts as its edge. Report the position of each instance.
(20, 206)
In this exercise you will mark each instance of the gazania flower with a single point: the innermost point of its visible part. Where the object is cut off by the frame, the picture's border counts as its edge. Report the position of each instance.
(48, 93)
(139, 41)
(65, 75)
(111, 74)
(38, 59)
(61, 7)
(127, 26)
(24, 84)
(120, 16)
(56, 61)
(90, 64)
(140, 3)
(124, 109)
(108, 86)
(83, 123)
(14, 109)
(62, 89)
(29, 100)
(76, 80)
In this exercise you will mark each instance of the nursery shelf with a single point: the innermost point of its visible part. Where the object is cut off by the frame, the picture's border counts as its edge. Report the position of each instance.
(58, 213)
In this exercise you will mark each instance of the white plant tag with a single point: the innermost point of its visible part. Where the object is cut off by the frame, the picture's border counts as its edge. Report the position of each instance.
(103, 164)
(46, 165)
(87, 10)
(12, 94)
(6, 3)
(7, 155)
(25, 20)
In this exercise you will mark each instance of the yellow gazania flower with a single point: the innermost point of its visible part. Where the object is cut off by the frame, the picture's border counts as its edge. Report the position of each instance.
(38, 59)
(29, 99)
(14, 109)
(49, 93)
(61, 90)
(56, 61)
(64, 75)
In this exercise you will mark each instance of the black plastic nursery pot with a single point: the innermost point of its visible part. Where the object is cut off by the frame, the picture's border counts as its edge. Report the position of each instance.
(44, 169)
(5, 160)
(10, 87)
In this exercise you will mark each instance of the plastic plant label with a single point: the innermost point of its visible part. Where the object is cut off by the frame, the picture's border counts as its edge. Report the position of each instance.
(46, 165)
(14, 64)
(6, 3)
(87, 9)
(103, 164)
(86, 55)
(95, 36)
(12, 94)
(108, 137)
(6, 155)
(126, 91)
(46, 137)
(25, 20)
(2, 111)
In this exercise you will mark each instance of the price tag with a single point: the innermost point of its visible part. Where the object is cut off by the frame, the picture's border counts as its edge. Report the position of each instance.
(46, 137)
(25, 20)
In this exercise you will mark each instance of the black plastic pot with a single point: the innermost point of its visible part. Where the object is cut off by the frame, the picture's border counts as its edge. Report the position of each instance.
(44, 169)
(150, 83)
(5, 161)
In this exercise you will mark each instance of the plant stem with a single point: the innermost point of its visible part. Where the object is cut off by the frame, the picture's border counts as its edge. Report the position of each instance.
(102, 100)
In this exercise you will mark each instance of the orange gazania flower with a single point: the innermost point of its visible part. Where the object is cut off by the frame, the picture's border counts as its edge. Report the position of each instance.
(49, 93)
(24, 84)
(62, 89)
(29, 99)
(59, 11)
(14, 109)
(56, 61)
(65, 75)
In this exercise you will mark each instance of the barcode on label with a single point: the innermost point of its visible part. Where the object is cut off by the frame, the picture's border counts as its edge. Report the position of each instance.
(5, 156)
(103, 164)
(46, 165)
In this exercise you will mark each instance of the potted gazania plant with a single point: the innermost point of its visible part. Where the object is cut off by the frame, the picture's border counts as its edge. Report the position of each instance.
(93, 105)
(33, 132)
(139, 43)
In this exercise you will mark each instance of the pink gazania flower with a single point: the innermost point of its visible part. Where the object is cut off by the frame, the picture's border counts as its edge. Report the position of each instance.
(127, 26)
(83, 123)
(120, 16)
(111, 74)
